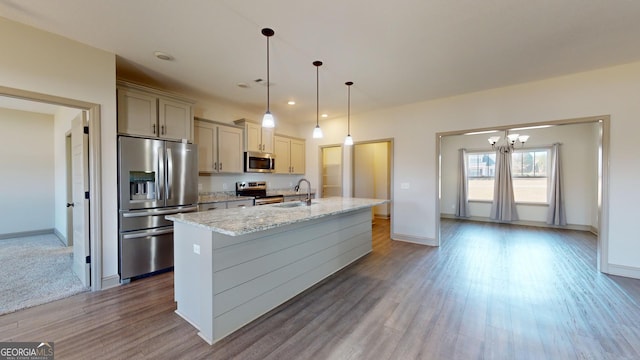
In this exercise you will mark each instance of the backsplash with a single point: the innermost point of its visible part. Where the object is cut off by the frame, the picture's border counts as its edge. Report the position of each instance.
(220, 183)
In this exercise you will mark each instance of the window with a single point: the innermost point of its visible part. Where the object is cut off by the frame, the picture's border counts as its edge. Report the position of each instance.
(481, 171)
(529, 171)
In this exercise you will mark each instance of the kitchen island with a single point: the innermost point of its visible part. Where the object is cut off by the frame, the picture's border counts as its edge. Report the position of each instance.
(233, 265)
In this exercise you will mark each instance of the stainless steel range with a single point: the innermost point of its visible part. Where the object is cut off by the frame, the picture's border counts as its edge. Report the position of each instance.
(257, 189)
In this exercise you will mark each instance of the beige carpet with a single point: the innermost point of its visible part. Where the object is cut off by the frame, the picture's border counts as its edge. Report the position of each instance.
(35, 270)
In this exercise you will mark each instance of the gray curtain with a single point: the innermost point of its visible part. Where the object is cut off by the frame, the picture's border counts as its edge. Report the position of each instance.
(462, 205)
(503, 207)
(556, 213)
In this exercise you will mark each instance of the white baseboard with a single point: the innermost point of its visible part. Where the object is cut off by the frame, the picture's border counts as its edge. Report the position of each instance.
(524, 223)
(61, 237)
(622, 270)
(110, 282)
(414, 239)
(26, 233)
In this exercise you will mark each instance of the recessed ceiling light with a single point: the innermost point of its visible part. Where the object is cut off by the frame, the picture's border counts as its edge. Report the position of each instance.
(163, 56)
(325, 115)
(291, 102)
(243, 85)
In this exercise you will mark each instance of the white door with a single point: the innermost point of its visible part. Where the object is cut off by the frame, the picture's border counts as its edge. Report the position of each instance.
(80, 176)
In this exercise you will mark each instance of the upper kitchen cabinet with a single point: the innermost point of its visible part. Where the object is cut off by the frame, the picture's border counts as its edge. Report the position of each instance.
(219, 147)
(290, 155)
(152, 113)
(257, 138)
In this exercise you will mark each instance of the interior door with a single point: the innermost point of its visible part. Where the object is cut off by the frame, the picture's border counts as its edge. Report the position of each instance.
(80, 176)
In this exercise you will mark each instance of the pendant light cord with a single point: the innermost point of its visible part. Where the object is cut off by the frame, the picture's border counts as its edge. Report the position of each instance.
(317, 93)
(349, 83)
(268, 81)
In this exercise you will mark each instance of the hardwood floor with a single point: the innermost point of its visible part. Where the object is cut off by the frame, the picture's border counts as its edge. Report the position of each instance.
(490, 291)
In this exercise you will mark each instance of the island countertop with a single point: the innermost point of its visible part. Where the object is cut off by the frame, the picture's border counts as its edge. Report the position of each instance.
(242, 221)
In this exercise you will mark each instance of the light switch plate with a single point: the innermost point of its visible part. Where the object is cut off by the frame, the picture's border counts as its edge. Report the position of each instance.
(405, 186)
(196, 249)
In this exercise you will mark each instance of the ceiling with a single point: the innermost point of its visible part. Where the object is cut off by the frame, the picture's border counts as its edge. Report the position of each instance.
(396, 52)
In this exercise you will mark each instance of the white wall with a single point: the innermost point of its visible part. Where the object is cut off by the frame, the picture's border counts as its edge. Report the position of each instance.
(613, 91)
(39, 61)
(578, 156)
(27, 180)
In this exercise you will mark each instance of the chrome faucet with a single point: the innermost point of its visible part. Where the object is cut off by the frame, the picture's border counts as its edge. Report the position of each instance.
(308, 199)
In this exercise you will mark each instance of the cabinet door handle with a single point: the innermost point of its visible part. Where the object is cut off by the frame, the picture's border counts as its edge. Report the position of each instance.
(154, 128)
(215, 166)
(162, 129)
(220, 167)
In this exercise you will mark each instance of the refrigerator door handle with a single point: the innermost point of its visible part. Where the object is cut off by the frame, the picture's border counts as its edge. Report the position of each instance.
(147, 234)
(160, 177)
(169, 173)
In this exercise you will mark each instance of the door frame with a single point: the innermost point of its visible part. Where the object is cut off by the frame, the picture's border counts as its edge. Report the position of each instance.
(602, 260)
(95, 170)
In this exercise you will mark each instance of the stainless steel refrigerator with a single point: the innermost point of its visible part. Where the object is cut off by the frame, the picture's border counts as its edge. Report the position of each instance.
(155, 178)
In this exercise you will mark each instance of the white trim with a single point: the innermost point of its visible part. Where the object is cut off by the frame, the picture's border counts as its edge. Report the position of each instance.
(26, 233)
(60, 237)
(414, 239)
(110, 282)
(577, 227)
(622, 270)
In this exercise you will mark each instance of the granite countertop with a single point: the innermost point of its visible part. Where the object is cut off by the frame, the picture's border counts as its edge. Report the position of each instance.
(220, 197)
(224, 196)
(242, 221)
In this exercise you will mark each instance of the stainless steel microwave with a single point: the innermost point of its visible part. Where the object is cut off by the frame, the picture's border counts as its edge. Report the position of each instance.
(259, 162)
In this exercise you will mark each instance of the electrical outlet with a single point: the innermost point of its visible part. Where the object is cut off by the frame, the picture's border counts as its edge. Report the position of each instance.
(224, 186)
(405, 186)
(199, 187)
(196, 249)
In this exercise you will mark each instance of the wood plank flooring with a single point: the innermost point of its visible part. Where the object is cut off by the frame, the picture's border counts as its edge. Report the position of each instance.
(490, 291)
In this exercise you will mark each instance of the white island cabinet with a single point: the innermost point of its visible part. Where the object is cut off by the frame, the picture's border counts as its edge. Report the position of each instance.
(233, 265)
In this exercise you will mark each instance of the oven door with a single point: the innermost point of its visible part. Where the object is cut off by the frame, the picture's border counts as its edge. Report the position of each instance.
(259, 162)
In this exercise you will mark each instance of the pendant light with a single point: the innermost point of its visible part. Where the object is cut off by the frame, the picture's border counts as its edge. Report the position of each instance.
(317, 132)
(267, 119)
(348, 141)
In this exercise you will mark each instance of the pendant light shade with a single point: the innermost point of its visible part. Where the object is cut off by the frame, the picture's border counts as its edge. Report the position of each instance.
(267, 120)
(348, 141)
(317, 132)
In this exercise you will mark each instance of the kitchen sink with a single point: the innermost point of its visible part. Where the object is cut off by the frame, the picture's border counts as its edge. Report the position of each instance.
(292, 204)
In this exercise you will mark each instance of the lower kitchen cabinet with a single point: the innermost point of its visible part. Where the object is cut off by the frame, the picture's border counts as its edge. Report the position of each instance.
(290, 155)
(225, 205)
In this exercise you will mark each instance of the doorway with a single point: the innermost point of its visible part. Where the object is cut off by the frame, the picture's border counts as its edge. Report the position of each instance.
(331, 170)
(372, 175)
(598, 138)
(93, 253)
